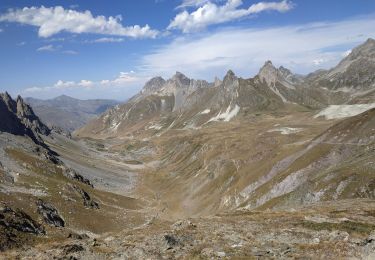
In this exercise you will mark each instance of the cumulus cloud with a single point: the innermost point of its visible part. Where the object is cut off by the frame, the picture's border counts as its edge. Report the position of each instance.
(53, 20)
(210, 13)
(124, 79)
(303, 48)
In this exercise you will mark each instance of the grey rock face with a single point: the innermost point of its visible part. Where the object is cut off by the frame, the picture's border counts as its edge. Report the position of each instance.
(13, 222)
(87, 200)
(50, 214)
(153, 85)
(18, 118)
(29, 119)
(19, 220)
(353, 75)
(72, 174)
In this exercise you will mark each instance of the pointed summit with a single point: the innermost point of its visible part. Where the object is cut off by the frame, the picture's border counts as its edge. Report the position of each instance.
(268, 73)
(230, 76)
(154, 84)
(365, 50)
(181, 79)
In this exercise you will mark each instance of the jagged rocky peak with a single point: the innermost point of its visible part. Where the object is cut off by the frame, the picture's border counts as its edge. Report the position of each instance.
(29, 119)
(367, 49)
(23, 109)
(229, 78)
(154, 84)
(355, 72)
(284, 71)
(9, 102)
(18, 116)
(288, 75)
(268, 73)
(181, 79)
(217, 82)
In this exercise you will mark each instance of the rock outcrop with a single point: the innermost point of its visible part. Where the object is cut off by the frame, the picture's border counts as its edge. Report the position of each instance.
(50, 214)
(18, 118)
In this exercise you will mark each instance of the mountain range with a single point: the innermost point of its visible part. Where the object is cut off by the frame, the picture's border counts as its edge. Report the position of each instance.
(181, 102)
(276, 166)
(69, 113)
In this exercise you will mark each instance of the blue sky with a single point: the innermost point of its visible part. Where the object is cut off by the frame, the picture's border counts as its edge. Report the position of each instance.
(108, 49)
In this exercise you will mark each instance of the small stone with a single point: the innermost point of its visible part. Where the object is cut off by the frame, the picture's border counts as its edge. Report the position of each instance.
(316, 240)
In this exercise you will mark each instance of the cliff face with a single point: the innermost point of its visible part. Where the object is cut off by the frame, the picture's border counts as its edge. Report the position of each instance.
(18, 118)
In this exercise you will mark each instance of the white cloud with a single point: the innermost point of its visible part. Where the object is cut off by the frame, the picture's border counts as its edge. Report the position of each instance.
(190, 3)
(245, 50)
(211, 13)
(53, 20)
(124, 79)
(52, 48)
(48, 47)
(64, 84)
(1, 30)
(86, 83)
(108, 39)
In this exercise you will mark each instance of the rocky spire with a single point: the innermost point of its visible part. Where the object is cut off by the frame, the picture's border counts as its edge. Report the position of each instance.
(181, 79)
(154, 84)
(229, 78)
(26, 114)
(268, 73)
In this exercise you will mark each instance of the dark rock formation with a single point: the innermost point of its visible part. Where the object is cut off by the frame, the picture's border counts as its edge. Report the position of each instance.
(72, 174)
(18, 118)
(50, 214)
(12, 224)
(87, 200)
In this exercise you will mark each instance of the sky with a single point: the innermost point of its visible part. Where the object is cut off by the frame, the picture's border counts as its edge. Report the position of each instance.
(109, 49)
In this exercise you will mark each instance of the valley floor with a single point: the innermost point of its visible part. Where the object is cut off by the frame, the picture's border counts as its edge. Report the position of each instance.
(187, 194)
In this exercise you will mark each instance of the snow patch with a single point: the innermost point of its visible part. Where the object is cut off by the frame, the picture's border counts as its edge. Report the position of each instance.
(155, 126)
(206, 111)
(342, 111)
(277, 92)
(227, 115)
(115, 125)
(286, 130)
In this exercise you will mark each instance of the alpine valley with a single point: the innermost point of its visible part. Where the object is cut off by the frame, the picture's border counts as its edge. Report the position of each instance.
(278, 166)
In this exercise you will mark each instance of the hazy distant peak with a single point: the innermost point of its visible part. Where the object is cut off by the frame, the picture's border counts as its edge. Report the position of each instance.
(64, 97)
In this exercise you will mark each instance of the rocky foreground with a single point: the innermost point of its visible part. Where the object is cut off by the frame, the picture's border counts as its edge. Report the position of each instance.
(338, 230)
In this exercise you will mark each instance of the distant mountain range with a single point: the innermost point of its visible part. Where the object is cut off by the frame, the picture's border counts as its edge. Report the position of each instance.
(181, 102)
(69, 113)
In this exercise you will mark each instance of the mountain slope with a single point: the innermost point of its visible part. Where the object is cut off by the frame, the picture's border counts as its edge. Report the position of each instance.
(69, 113)
(181, 102)
(352, 80)
(41, 197)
